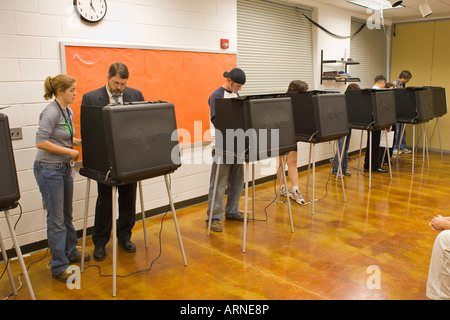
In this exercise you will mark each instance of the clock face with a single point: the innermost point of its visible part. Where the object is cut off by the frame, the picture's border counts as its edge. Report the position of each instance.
(90, 10)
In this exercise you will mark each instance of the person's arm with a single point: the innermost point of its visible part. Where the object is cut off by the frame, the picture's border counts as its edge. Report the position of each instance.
(53, 148)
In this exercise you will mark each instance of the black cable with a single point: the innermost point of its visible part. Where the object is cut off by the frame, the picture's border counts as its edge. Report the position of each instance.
(15, 225)
(318, 25)
(151, 264)
(329, 32)
(138, 271)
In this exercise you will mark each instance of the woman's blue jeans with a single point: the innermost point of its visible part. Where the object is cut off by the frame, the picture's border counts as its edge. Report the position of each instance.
(55, 182)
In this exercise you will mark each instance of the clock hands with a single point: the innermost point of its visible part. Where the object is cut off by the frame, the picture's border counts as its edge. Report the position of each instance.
(92, 6)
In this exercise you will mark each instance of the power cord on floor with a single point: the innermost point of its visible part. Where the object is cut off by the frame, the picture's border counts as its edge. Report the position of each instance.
(138, 271)
(96, 266)
(160, 246)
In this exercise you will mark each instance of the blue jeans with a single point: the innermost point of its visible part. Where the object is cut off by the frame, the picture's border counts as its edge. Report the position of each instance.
(398, 129)
(344, 163)
(55, 182)
(230, 182)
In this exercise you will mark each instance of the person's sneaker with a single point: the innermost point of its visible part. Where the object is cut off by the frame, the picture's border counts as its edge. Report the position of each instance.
(283, 191)
(65, 275)
(216, 226)
(405, 151)
(297, 197)
(395, 151)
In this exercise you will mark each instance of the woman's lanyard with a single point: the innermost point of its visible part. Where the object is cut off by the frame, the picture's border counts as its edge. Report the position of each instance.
(68, 121)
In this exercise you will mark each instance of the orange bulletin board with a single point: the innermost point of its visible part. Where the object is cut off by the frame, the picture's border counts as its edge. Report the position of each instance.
(184, 78)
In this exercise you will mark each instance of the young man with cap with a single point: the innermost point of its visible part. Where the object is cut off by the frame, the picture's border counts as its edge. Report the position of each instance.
(231, 176)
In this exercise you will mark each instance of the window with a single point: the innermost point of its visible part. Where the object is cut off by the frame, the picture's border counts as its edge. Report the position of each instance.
(274, 43)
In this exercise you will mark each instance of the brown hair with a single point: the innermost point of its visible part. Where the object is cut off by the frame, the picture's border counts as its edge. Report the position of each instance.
(60, 82)
(119, 69)
(405, 74)
(352, 86)
(298, 86)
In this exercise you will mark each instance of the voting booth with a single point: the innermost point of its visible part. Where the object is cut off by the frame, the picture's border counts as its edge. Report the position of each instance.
(128, 143)
(252, 128)
(440, 108)
(414, 106)
(439, 100)
(9, 197)
(371, 110)
(9, 186)
(319, 116)
(125, 144)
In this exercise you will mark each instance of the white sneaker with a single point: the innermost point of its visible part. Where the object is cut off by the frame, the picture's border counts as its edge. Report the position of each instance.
(405, 151)
(297, 197)
(283, 191)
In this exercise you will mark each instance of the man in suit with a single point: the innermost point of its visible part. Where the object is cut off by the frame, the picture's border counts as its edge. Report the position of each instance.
(114, 92)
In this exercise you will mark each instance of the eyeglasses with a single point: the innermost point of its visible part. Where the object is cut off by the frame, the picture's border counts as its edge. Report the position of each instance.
(117, 84)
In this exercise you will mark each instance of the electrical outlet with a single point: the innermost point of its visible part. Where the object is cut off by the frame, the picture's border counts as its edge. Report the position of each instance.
(16, 133)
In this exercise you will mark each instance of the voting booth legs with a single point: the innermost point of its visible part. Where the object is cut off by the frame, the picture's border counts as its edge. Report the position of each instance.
(424, 143)
(114, 226)
(369, 148)
(19, 257)
(339, 173)
(246, 180)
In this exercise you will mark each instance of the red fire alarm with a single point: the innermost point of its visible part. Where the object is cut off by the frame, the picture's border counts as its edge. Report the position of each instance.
(224, 44)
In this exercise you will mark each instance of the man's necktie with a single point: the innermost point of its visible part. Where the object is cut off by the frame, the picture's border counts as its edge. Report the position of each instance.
(116, 99)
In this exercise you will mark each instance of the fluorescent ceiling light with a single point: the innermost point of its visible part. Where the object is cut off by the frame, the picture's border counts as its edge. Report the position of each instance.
(375, 4)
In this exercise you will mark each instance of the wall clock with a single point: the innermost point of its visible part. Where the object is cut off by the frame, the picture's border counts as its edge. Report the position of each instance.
(90, 10)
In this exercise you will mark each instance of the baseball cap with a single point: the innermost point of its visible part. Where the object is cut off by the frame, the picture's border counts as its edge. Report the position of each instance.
(236, 74)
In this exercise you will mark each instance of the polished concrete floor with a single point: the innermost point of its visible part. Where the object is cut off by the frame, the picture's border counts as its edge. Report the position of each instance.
(376, 245)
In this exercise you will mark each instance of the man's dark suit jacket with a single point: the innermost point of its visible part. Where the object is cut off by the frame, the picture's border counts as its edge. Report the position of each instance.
(127, 193)
(100, 97)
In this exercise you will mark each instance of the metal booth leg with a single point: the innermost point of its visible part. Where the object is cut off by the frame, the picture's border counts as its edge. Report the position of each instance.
(141, 197)
(439, 133)
(386, 150)
(287, 190)
(413, 148)
(245, 205)
(340, 172)
(114, 227)
(313, 200)
(8, 268)
(211, 209)
(19, 254)
(86, 209)
(180, 241)
(281, 168)
(370, 159)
